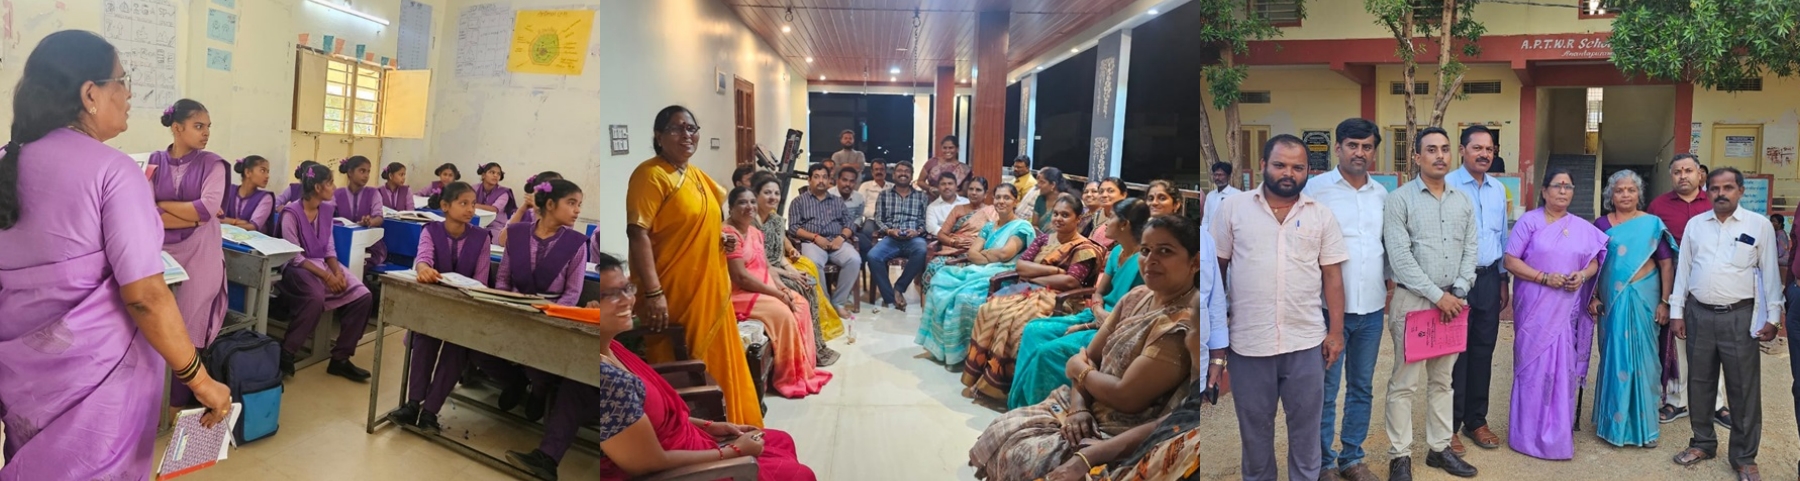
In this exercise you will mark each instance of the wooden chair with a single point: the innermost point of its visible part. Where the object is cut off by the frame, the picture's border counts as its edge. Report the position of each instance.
(1067, 302)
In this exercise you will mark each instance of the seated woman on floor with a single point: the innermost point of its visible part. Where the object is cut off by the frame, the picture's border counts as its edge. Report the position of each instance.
(957, 291)
(1138, 368)
(796, 271)
(755, 297)
(1046, 344)
(962, 231)
(644, 426)
(1060, 260)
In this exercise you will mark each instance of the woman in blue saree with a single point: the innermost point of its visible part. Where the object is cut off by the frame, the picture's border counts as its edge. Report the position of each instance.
(1047, 343)
(1628, 301)
(958, 291)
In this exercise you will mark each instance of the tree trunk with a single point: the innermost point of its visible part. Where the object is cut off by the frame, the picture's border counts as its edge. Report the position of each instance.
(1447, 87)
(1209, 152)
(1234, 129)
(1409, 73)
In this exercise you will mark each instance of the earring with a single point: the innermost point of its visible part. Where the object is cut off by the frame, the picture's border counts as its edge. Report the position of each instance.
(93, 110)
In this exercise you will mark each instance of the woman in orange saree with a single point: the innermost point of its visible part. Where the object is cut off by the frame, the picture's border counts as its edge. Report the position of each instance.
(674, 215)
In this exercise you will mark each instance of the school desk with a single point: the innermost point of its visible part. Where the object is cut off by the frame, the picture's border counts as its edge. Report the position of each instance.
(355, 240)
(250, 278)
(562, 347)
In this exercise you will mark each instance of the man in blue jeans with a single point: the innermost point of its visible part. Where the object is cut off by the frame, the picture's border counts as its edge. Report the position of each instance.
(1358, 202)
(900, 218)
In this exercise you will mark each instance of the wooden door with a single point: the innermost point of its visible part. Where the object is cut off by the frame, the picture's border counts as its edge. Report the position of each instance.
(1250, 142)
(744, 96)
(1737, 146)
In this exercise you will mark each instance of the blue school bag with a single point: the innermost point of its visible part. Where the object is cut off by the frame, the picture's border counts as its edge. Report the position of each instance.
(250, 364)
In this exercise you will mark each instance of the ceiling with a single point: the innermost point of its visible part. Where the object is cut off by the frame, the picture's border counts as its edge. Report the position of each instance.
(846, 38)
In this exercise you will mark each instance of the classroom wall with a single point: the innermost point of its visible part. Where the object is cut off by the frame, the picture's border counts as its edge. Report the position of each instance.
(1347, 19)
(643, 56)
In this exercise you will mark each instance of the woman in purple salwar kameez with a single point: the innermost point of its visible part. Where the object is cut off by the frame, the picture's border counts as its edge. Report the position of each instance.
(315, 281)
(446, 174)
(90, 327)
(1554, 256)
(189, 184)
(247, 205)
(394, 192)
(492, 197)
(362, 205)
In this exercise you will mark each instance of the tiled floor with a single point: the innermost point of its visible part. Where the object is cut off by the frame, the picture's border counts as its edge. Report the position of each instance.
(890, 413)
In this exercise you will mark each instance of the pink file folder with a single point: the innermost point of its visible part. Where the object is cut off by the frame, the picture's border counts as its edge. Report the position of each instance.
(1428, 336)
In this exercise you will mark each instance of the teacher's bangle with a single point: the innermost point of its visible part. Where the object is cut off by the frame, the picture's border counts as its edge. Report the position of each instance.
(654, 294)
(1084, 460)
(1218, 362)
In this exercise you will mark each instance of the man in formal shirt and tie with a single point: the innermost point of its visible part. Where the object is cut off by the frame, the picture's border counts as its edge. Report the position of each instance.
(1475, 367)
(1356, 201)
(1726, 275)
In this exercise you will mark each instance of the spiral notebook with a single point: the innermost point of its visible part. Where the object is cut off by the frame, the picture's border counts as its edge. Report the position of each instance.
(193, 447)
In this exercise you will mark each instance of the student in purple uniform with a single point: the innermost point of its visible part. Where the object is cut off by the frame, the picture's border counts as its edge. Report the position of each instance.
(293, 191)
(247, 205)
(542, 258)
(394, 192)
(453, 246)
(361, 205)
(446, 174)
(528, 214)
(492, 197)
(189, 184)
(315, 281)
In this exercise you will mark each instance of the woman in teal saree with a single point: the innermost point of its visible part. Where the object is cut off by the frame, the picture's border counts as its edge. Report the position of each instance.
(958, 291)
(1633, 282)
(1047, 343)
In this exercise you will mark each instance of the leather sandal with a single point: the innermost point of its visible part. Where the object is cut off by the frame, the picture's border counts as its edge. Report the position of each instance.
(1691, 456)
(1748, 473)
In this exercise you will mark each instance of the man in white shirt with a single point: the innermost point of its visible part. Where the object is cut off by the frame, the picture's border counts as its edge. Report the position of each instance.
(1358, 202)
(1721, 307)
(1221, 177)
(871, 190)
(939, 210)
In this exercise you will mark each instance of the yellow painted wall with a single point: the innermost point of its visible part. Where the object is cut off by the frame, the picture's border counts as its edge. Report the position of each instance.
(1488, 109)
(1776, 107)
(1335, 19)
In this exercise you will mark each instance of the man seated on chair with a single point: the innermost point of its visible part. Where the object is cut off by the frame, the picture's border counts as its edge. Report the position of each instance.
(900, 218)
(817, 226)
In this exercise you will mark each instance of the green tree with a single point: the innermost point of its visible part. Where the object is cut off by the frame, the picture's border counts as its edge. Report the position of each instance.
(1417, 26)
(1226, 30)
(1717, 44)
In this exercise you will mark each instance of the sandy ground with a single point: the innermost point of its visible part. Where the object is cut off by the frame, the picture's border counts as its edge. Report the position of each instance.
(1595, 459)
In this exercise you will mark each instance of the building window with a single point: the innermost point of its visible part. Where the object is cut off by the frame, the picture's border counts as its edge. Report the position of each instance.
(1402, 148)
(1596, 98)
(352, 98)
(1598, 9)
(1754, 84)
(1419, 88)
(1279, 13)
(1481, 87)
(1255, 97)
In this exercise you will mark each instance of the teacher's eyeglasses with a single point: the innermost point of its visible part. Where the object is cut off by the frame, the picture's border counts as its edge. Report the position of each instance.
(124, 80)
(1563, 187)
(618, 295)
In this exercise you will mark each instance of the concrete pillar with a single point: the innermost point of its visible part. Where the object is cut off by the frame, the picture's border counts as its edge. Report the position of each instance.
(1112, 71)
(944, 123)
(1028, 117)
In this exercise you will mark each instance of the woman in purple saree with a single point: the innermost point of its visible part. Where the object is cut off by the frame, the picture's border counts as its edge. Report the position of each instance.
(81, 279)
(1554, 255)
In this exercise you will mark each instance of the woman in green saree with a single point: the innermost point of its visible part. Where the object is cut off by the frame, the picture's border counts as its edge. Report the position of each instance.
(1047, 343)
(957, 291)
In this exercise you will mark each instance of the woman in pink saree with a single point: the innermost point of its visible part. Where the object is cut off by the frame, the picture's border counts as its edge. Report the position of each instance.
(1554, 256)
(81, 278)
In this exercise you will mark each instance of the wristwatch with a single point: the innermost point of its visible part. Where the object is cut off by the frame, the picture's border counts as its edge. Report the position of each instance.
(1218, 362)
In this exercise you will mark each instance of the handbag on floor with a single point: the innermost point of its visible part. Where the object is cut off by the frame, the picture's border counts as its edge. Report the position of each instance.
(250, 364)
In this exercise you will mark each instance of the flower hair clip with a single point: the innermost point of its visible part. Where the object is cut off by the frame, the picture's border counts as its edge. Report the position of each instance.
(542, 187)
(310, 173)
(169, 111)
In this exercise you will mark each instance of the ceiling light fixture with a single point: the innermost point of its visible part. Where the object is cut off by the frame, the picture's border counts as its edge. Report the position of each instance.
(1153, 11)
(821, 78)
(345, 9)
(1074, 49)
(787, 27)
(808, 59)
(893, 79)
(894, 70)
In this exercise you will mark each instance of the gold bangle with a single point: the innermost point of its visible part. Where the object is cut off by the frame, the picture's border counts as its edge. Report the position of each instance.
(1084, 460)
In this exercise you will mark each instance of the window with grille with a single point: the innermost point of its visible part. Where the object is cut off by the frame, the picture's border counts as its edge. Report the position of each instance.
(1598, 9)
(1596, 99)
(1483, 87)
(1745, 85)
(1402, 146)
(1419, 88)
(352, 98)
(1280, 13)
(1255, 97)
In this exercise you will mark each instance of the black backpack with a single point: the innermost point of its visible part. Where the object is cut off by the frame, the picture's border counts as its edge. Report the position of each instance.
(250, 364)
